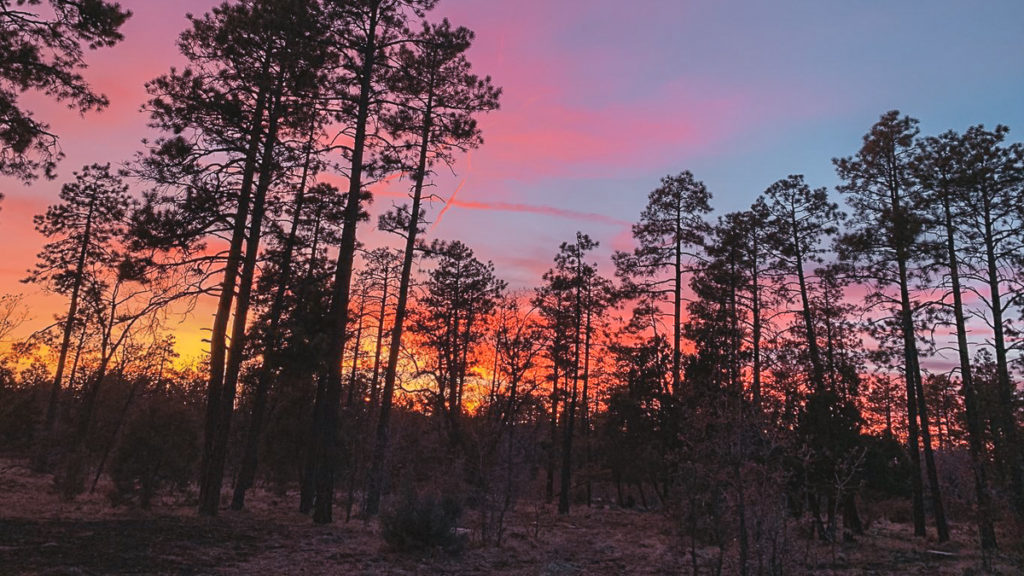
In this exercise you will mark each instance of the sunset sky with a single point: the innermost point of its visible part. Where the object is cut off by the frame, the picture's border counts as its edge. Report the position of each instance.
(603, 98)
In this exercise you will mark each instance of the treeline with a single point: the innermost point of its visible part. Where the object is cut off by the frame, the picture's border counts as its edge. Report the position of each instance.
(752, 373)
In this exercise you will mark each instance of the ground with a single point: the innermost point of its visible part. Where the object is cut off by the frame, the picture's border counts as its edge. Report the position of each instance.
(40, 534)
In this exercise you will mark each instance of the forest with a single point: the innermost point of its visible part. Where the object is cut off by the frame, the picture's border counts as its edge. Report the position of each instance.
(787, 389)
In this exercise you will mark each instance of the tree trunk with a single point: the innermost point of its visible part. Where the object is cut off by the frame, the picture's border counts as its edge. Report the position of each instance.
(549, 482)
(210, 475)
(755, 312)
(929, 459)
(913, 436)
(74, 464)
(569, 417)
(383, 435)
(379, 345)
(327, 435)
(817, 370)
(740, 457)
(570, 407)
(69, 323)
(586, 398)
(975, 440)
(677, 302)
(222, 425)
(1006, 418)
(250, 453)
(354, 372)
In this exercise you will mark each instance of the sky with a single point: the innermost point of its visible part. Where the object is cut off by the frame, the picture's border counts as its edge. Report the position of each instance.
(602, 99)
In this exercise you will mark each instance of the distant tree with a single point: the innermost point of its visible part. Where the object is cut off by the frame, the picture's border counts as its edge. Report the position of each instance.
(129, 304)
(881, 405)
(669, 235)
(942, 393)
(553, 303)
(840, 332)
(830, 423)
(461, 293)
(716, 321)
(13, 312)
(161, 440)
(830, 428)
(519, 340)
(750, 230)
(634, 427)
(575, 284)
(91, 216)
(42, 48)
(739, 265)
(713, 408)
(505, 452)
(154, 362)
(714, 376)
(382, 271)
(879, 186)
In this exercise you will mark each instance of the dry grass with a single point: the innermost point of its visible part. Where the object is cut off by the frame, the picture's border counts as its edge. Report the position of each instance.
(39, 534)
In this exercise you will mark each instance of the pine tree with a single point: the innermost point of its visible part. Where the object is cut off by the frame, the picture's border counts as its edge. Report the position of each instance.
(367, 35)
(578, 293)
(939, 167)
(669, 235)
(91, 215)
(461, 294)
(43, 49)
(879, 186)
(439, 97)
(991, 220)
(799, 220)
(253, 70)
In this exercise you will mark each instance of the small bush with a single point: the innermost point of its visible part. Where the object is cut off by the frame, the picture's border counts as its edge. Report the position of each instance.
(422, 523)
(19, 415)
(160, 447)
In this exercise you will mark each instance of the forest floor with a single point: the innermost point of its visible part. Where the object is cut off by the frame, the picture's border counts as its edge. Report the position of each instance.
(40, 534)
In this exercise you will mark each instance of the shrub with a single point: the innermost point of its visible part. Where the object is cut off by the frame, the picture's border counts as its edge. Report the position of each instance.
(160, 447)
(422, 523)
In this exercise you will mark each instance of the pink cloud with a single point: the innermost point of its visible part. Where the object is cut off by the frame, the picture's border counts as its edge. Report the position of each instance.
(538, 209)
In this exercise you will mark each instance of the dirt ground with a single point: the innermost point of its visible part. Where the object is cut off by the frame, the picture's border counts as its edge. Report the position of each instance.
(40, 534)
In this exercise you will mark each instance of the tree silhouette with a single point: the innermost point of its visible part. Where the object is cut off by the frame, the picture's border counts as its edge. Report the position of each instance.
(438, 98)
(991, 220)
(92, 213)
(776, 366)
(271, 339)
(383, 269)
(367, 35)
(460, 295)
(749, 233)
(939, 167)
(799, 218)
(43, 49)
(575, 284)
(879, 186)
(635, 432)
(253, 70)
(671, 228)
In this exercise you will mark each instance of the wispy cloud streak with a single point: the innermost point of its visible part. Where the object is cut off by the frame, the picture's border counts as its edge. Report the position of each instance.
(536, 209)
